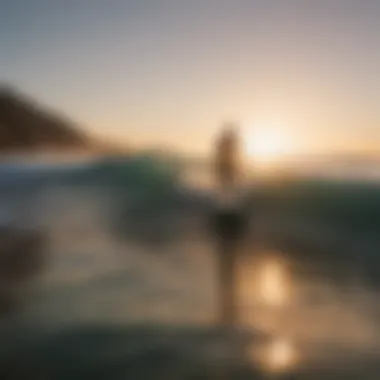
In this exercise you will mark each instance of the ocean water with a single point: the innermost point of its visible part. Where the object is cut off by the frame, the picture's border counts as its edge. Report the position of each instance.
(129, 289)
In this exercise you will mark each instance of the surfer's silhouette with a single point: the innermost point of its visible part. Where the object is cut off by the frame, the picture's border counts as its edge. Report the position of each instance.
(228, 220)
(227, 157)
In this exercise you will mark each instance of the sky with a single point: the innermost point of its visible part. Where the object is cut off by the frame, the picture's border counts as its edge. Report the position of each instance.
(169, 72)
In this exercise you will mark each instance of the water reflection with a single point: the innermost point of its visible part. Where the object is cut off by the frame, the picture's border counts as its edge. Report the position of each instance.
(306, 321)
(268, 284)
(267, 289)
(278, 355)
(273, 286)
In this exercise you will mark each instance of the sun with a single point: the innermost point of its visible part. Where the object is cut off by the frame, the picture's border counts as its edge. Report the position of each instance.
(265, 145)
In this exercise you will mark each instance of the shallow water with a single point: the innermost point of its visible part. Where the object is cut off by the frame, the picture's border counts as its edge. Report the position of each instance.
(106, 307)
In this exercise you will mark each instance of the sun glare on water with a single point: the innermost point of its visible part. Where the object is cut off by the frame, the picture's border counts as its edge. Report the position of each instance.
(274, 292)
(279, 355)
(272, 286)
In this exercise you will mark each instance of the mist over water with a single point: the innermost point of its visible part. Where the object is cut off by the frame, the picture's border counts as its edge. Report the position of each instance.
(130, 297)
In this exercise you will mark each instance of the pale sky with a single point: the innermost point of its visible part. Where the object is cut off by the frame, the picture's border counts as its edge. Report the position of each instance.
(170, 71)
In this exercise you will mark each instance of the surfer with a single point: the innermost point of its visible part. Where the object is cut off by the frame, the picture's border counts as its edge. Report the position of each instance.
(228, 220)
(227, 157)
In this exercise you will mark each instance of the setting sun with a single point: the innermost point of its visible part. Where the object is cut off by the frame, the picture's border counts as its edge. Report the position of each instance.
(265, 145)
